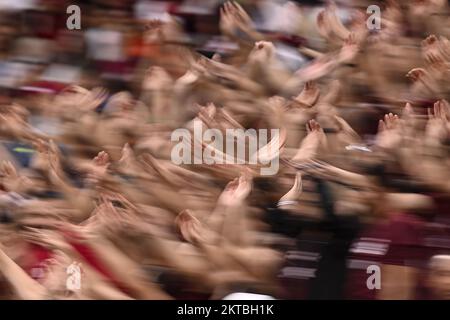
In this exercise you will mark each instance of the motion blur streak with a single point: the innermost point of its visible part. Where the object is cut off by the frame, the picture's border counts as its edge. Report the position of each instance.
(98, 202)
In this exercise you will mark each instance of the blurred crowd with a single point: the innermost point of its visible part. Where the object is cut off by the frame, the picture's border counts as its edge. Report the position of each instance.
(92, 206)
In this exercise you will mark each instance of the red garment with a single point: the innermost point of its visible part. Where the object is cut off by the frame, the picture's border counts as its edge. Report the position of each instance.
(90, 256)
(397, 241)
(35, 264)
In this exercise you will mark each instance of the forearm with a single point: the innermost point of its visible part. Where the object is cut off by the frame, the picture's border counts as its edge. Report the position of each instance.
(24, 286)
(134, 279)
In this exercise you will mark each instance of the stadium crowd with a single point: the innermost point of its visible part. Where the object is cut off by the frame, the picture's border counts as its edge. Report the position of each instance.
(87, 180)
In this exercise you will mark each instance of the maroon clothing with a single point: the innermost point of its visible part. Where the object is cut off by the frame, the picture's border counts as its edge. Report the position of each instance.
(395, 241)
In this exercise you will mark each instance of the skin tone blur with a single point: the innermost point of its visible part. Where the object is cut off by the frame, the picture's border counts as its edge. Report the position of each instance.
(137, 211)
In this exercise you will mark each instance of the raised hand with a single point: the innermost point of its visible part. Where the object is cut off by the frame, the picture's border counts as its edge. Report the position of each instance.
(438, 125)
(292, 196)
(80, 99)
(262, 54)
(11, 179)
(190, 227)
(389, 132)
(318, 68)
(98, 168)
(40, 159)
(349, 50)
(101, 163)
(309, 95)
(432, 50)
(233, 19)
(329, 25)
(311, 143)
(424, 81)
(236, 190)
(346, 132)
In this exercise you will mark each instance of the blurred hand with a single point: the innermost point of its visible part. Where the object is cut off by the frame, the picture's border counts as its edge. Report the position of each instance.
(389, 132)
